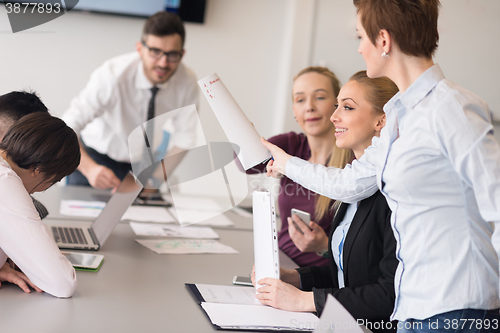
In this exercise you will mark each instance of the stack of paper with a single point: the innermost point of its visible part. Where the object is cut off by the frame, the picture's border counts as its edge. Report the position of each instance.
(149, 229)
(185, 246)
(148, 214)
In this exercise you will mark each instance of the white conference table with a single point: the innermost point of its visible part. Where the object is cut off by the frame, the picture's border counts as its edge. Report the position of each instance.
(135, 290)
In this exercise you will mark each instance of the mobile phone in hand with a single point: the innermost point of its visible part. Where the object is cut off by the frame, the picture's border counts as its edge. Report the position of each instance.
(304, 216)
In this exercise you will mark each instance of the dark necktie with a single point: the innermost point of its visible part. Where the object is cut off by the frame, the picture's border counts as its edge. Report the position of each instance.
(150, 125)
(147, 153)
(40, 208)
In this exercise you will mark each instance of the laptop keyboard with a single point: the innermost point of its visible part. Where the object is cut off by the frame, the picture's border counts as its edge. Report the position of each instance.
(69, 235)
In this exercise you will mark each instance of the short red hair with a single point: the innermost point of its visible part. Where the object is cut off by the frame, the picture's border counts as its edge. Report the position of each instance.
(412, 24)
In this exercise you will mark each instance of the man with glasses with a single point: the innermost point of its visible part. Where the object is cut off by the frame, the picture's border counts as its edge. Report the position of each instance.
(125, 92)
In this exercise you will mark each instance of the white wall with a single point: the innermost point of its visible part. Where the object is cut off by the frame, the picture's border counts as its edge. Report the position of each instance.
(468, 48)
(256, 47)
(240, 40)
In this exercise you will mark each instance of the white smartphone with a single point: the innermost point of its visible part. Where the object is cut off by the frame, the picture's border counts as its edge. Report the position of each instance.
(243, 281)
(84, 260)
(304, 216)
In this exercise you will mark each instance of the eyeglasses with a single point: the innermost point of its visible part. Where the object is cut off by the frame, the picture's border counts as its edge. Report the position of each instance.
(172, 56)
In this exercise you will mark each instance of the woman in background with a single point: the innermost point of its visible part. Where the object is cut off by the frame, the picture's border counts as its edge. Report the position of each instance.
(362, 245)
(35, 153)
(314, 95)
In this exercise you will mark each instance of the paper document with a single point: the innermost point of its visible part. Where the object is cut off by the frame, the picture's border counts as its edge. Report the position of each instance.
(239, 130)
(239, 316)
(81, 208)
(185, 246)
(335, 318)
(193, 216)
(148, 214)
(150, 229)
(228, 294)
(195, 203)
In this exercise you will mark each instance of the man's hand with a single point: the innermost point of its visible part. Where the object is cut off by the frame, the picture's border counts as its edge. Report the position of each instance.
(102, 177)
(7, 274)
(314, 240)
(276, 167)
(281, 295)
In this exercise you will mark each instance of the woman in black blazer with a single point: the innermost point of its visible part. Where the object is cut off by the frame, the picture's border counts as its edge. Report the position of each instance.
(369, 263)
(362, 255)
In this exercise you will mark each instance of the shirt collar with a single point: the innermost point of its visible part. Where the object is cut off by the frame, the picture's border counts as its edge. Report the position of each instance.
(142, 82)
(422, 86)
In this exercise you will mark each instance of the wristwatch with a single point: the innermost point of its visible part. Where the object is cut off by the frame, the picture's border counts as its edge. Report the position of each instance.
(323, 253)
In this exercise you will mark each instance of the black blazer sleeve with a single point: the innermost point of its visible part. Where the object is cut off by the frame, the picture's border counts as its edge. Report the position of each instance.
(315, 277)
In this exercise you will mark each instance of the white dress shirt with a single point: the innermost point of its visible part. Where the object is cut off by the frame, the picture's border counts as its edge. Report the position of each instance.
(115, 102)
(338, 240)
(438, 165)
(26, 240)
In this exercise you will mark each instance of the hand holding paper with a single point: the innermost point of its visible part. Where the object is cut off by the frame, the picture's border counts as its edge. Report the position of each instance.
(276, 166)
(284, 296)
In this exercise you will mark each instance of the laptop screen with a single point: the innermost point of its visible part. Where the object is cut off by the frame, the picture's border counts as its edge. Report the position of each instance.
(115, 208)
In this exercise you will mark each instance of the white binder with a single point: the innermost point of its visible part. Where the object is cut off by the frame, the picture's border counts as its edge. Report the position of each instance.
(265, 237)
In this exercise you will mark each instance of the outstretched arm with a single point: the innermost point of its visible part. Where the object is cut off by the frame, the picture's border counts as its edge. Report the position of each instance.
(357, 181)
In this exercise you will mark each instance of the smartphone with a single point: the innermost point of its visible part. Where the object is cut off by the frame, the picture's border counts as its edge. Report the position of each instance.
(243, 281)
(151, 199)
(304, 216)
(84, 260)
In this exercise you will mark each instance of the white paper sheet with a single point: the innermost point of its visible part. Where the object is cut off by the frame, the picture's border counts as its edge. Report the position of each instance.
(81, 208)
(195, 203)
(149, 229)
(148, 214)
(248, 316)
(335, 318)
(266, 255)
(228, 294)
(188, 216)
(234, 122)
(185, 246)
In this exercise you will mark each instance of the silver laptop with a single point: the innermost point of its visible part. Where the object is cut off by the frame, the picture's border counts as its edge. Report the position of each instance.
(86, 235)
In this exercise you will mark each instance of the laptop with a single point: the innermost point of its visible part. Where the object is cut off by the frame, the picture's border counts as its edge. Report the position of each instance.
(86, 235)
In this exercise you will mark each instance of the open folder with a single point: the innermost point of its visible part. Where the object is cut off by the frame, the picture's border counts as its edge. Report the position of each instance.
(236, 308)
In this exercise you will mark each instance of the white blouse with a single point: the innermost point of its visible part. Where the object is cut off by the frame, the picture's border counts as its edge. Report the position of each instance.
(25, 239)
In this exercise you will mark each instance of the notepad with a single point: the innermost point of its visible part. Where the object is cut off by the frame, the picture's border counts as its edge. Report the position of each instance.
(233, 308)
(336, 318)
